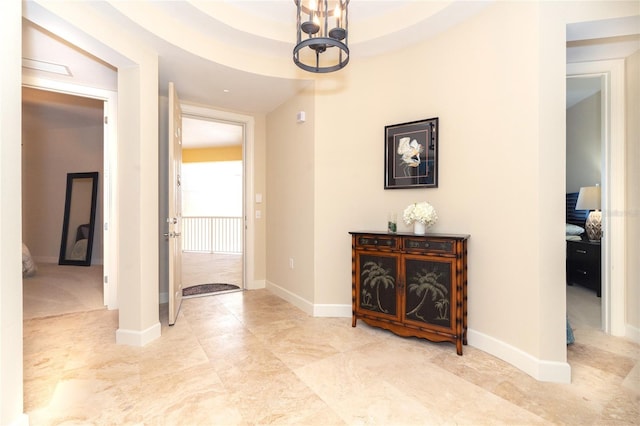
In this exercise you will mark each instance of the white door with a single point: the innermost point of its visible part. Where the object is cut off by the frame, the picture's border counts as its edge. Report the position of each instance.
(174, 218)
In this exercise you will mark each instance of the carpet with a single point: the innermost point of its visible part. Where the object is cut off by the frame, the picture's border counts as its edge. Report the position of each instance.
(201, 289)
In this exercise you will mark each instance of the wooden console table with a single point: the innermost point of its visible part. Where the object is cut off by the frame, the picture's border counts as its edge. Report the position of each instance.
(412, 285)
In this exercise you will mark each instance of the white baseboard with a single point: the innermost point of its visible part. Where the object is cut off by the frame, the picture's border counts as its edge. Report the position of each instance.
(545, 371)
(633, 333)
(332, 311)
(314, 310)
(137, 338)
(255, 285)
(294, 299)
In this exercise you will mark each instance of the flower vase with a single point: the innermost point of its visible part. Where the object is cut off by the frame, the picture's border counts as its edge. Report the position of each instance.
(419, 228)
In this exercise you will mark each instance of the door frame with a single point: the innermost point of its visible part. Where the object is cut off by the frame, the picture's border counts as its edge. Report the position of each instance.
(613, 174)
(109, 182)
(248, 123)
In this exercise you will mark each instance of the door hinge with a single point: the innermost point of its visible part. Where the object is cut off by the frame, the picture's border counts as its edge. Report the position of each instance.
(106, 120)
(106, 226)
(106, 279)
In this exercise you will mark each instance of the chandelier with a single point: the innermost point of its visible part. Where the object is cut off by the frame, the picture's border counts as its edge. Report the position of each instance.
(323, 31)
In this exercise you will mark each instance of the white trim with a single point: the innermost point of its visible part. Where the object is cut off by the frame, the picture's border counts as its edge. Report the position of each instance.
(333, 310)
(256, 285)
(633, 333)
(325, 310)
(138, 338)
(110, 197)
(297, 301)
(613, 189)
(545, 371)
(248, 122)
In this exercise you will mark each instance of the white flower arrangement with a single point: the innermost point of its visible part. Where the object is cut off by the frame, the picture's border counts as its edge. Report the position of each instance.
(422, 212)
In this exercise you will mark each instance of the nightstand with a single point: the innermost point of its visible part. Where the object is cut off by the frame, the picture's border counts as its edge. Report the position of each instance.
(583, 264)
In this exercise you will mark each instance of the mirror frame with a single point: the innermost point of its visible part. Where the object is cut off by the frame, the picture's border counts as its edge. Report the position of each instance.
(92, 218)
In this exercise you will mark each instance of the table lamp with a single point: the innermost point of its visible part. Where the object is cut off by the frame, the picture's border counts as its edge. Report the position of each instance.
(589, 199)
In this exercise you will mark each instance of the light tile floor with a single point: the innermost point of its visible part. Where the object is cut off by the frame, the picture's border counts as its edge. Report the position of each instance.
(249, 358)
(57, 289)
(210, 268)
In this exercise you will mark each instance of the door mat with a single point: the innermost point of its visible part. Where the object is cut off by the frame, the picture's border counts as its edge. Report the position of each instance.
(201, 289)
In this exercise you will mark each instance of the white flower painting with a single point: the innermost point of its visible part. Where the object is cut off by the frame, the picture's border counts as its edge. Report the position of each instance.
(410, 151)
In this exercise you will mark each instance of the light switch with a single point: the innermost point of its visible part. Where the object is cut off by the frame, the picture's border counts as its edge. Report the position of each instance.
(258, 214)
(258, 198)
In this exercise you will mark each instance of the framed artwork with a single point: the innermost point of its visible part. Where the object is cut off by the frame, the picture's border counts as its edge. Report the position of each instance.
(411, 154)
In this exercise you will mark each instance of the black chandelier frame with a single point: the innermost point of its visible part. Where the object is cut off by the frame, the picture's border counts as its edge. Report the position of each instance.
(316, 34)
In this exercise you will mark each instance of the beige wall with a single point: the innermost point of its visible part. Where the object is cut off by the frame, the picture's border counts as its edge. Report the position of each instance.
(291, 215)
(633, 194)
(584, 144)
(485, 137)
(497, 83)
(56, 142)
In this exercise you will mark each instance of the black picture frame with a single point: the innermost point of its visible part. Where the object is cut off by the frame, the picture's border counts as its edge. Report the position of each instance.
(411, 154)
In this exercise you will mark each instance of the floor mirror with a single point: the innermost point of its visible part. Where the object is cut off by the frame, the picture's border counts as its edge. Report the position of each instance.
(79, 219)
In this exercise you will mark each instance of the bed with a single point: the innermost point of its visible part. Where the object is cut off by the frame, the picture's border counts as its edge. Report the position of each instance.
(29, 267)
(575, 219)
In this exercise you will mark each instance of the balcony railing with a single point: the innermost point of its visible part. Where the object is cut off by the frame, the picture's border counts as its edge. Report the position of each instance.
(212, 234)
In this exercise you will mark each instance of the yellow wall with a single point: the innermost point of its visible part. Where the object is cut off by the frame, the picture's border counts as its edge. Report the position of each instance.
(223, 153)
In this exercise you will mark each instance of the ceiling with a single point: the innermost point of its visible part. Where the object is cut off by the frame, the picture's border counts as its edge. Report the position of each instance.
(222, 35)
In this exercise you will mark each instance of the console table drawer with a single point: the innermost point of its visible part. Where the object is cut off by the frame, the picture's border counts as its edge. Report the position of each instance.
(422, 245)
(377, 241)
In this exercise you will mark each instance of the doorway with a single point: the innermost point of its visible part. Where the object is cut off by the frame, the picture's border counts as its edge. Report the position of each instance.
(613, 186)
(212, 205)
(590, 52)
(106, 102)
(584, 146)
(62, 134)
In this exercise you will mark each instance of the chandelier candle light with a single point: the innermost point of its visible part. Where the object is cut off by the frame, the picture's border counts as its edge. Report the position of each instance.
(422, 215)
(322, 35)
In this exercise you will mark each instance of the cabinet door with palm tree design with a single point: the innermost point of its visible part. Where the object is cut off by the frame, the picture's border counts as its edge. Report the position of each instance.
(429, 293)
(376, 289)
